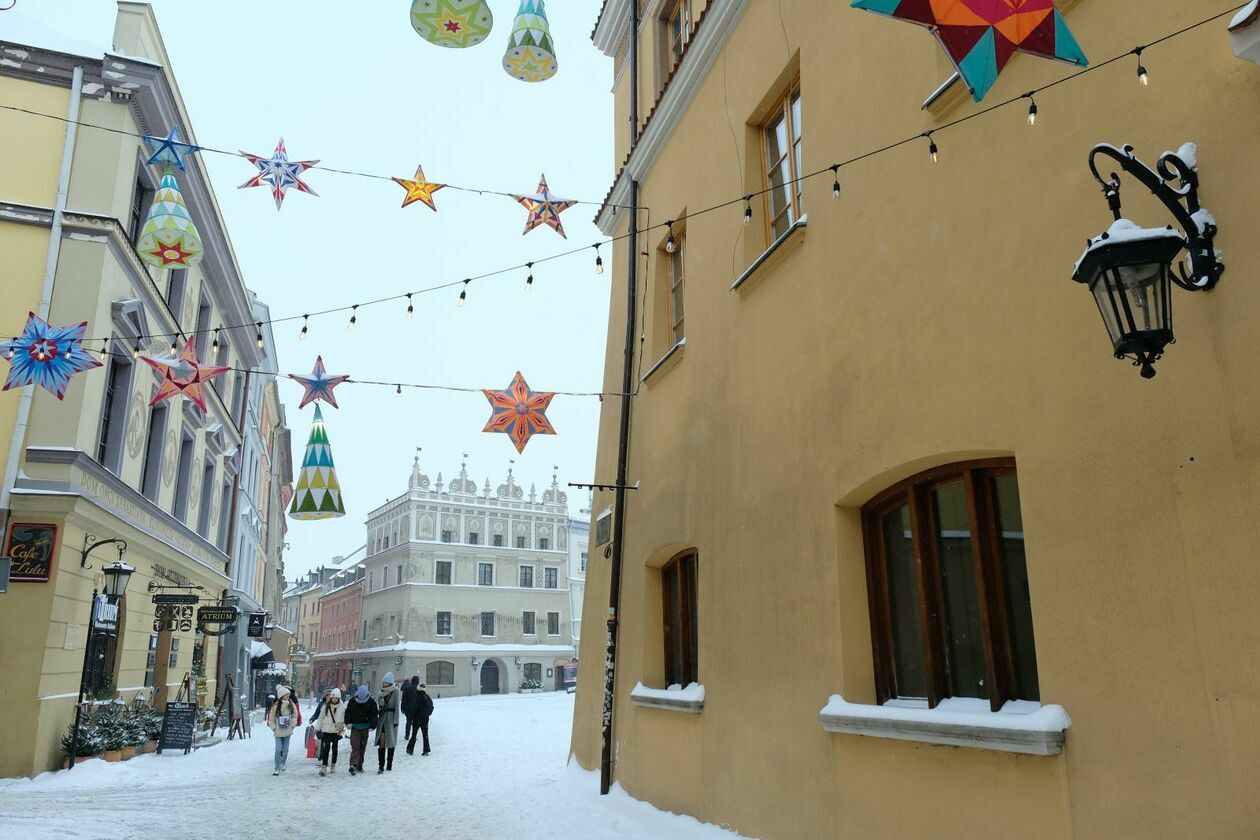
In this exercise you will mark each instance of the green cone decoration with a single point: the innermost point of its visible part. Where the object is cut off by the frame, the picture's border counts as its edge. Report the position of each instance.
(318, 495)
(169, 239)
(530, 56)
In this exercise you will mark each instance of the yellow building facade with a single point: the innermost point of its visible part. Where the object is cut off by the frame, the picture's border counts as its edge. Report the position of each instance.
(942, 566)
(102, 464)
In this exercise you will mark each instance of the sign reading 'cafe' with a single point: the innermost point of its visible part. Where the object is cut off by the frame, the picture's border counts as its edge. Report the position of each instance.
(32, 548)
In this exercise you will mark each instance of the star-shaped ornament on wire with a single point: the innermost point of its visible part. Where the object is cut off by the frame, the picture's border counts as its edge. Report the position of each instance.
(47, 356)
(419, 189)
(319, 385)
(169, 149)
(544, 208)
(280, 172)
(519, 412)
(183, 374)
(980, 36)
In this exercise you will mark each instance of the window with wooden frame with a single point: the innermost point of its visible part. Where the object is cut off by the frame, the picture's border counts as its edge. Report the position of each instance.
(781, 155)
(675, 35)
(678, 588)
(675, 276)
(439, 673)
(948, 589)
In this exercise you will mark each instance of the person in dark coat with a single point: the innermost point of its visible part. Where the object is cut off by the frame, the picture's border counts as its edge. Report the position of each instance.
(424, 709)
(410, 708)
(388, 706)
(361, 714)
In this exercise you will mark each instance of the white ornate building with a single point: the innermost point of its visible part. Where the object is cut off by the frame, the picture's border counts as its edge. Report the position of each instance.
(467, 588)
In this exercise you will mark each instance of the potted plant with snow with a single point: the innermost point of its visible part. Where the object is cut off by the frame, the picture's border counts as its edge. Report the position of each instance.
(133, 726)
(89, 744)
(152, 728)
(531, 686)
(113, 731)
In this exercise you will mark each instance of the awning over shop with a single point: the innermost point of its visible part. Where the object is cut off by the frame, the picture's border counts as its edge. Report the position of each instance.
(259, 653)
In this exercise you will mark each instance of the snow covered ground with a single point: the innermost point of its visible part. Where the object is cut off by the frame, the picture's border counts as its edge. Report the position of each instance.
(498, 769)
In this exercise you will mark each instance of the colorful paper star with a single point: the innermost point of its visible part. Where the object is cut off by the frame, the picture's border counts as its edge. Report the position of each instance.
(171, 253)
(544, 208)
(319, 385)
(183, 374)
(452, 23)
(280, 172)
(980, 36)
(169, 149)
(47, 356)
(519, 412)
(419, 189)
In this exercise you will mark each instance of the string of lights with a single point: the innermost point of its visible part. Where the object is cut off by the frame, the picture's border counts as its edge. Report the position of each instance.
(745, 200)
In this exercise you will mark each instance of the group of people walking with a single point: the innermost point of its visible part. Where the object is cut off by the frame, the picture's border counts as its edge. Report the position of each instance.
(361, 714)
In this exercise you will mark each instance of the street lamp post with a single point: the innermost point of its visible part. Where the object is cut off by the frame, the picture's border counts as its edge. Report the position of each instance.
(116, 577)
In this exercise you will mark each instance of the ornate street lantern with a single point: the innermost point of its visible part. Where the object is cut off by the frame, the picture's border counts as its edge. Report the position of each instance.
(1129, 269)
(117, 575)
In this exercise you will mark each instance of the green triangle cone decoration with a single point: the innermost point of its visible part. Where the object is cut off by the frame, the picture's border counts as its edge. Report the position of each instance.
(530, 56)
(169, 239)
(318, 493)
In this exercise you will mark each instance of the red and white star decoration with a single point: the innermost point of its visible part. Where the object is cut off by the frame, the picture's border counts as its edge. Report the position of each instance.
(544, 208)
(183, 374)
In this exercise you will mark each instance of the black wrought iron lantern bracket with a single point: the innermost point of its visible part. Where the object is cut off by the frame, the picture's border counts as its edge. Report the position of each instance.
(91, 543)
(1181, 199)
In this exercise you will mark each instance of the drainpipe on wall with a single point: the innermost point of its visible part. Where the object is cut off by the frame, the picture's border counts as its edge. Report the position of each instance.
(234, 508)
(623, 443)
(45, 296)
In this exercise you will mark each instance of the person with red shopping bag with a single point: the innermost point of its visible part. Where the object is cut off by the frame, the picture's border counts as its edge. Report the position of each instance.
(284, 716)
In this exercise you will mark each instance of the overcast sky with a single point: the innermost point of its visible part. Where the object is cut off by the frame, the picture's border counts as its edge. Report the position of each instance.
(353, 85)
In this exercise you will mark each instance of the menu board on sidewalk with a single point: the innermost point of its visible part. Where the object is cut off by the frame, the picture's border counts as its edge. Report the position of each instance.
(178, 725)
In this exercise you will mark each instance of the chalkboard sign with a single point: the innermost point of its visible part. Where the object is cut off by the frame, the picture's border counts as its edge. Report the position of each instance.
(177, 727)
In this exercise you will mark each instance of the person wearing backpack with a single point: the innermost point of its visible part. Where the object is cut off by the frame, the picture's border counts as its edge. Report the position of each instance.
(424, 710)
(284, 716)
(361, 714)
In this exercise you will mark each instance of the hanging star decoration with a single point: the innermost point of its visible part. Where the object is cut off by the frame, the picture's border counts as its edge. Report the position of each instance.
(980, 36)
(183, 374)
(47, 356)
(519, 412)
(280, 172)
(169, 149)
(319, 385)
(544, 208)
(419, 189)
(452, 23)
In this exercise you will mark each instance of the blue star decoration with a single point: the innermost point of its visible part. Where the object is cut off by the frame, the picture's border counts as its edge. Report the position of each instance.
(169, 149)
(280, 172)
(47, 356)
(319, 385)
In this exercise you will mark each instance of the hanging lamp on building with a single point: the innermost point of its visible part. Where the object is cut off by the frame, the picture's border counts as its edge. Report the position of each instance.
(318, 494)
(169, 239)
(531, 55)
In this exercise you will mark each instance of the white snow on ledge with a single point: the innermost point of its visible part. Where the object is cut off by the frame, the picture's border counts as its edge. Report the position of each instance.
(1019, 726)
(675, 698)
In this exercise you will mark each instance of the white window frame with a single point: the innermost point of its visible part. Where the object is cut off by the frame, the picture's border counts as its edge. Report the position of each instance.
(450, 624)
(549, 615)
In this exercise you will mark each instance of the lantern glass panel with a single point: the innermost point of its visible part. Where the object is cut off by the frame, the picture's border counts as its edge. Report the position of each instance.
(1135, 302)
(116, 577)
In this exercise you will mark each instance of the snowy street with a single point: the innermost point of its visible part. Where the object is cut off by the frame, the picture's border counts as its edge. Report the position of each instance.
(497, 769)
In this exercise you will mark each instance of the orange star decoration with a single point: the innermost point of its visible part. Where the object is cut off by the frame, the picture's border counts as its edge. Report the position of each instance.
(419, 189)
(519, 412)
(183, 374)
(171, 253)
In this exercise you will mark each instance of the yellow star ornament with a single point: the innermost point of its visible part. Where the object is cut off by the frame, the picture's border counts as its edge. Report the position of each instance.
(419, 189)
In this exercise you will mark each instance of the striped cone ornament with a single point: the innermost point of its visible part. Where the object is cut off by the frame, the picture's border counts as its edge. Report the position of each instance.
(531, 55)
(317, 494)
(169, 239)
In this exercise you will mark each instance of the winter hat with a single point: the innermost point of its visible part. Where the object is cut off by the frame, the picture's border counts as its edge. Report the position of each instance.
(388, 679)
(415, 680)
(361, 693)
(336, 694)
(282, 692)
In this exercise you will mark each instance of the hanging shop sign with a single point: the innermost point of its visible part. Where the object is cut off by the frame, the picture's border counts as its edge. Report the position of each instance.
(189, 600)
(172, 617)
(225, 616)
(31, 549)
(105, 615)
(257, 623)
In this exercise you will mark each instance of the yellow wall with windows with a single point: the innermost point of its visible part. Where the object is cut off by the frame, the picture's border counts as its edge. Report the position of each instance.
(928, 317)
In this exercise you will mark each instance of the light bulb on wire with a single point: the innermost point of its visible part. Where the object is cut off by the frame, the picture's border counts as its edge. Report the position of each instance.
(354, 317)
(214, 345)
(174, 346)
(835, 186)
(463, 293)
(529, 281)
(933, 152)
(411, 309)
(399, 391)
(258, 339)
(136, 351)
(306, 319)
(1142, 75)
(1032, 110)
(599, 261)
(747, 210)
(670, 244)
(8, 352)
(104, 351)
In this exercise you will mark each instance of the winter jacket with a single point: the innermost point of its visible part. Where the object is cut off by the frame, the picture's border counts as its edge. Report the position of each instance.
(361, 715)
(332, 720)
(424, 704)
(389, 702)
(284, 707)
(409, 705)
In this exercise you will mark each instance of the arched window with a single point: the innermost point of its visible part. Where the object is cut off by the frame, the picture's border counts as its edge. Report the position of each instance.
(439, 673)
(948, 590)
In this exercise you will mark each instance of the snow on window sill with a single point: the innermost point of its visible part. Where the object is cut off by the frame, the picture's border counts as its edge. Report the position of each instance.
(775, 254)
(671, 358)
(1020, 726)
(674, 699)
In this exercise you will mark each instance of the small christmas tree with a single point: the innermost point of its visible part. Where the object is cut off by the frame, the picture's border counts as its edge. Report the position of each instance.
(89, 742)
(152, 723)
(134, 718)
(112, 726)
